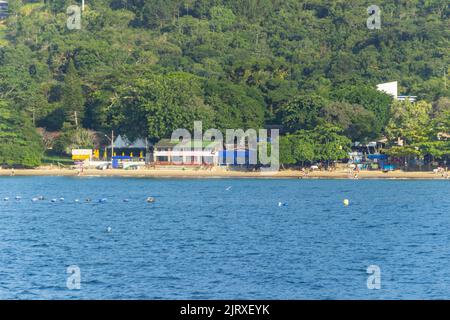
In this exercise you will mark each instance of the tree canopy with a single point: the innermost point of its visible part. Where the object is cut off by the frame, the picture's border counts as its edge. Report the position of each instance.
(144, 68)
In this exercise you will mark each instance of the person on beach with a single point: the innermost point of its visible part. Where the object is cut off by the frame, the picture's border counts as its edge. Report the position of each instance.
(80, 169)
(356, 172)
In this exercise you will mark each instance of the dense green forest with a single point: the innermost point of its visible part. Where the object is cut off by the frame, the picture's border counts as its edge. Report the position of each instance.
(145, 68)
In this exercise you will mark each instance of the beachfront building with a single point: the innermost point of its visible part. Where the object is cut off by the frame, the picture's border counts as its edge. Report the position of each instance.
(367, 156)
(123, 147)
(166, 152)
(391, 88)
(229, 155)
(128, 154)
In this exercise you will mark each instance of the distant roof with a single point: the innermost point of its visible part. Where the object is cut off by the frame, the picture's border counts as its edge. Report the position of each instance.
(167, 143)
(410, 98)
(121, 142)
(138, 144)
(368, 144)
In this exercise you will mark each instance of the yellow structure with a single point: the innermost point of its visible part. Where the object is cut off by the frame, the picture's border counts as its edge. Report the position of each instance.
(81, 154)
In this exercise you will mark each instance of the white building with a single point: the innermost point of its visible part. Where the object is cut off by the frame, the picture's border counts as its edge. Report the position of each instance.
(166, 153)
(391, 88)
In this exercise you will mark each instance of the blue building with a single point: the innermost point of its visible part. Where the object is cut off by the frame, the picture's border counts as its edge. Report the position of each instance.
(235, 157)
(3, 9)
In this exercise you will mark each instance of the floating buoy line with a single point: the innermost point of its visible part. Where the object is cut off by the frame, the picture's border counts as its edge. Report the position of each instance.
(77, 200)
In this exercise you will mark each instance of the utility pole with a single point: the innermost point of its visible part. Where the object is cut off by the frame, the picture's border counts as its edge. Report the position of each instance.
(146, 150)
(112, 145)
(82, 5)
(76, 119)
(445, 78)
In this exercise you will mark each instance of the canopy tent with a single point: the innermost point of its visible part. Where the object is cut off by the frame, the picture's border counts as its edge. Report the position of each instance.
(124, 143)
(138, 144)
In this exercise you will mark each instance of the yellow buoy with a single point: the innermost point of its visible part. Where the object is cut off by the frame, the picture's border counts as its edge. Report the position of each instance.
(346, 202)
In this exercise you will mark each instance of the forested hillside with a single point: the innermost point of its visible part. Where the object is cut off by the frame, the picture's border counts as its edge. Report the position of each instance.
(145, 68)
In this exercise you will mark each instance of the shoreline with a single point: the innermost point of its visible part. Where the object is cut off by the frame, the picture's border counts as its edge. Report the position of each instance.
(178, 173)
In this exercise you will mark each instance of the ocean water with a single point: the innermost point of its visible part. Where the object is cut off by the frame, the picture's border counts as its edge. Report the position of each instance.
(224, 238)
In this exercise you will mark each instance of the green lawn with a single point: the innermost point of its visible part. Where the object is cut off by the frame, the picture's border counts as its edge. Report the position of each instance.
(55, 159)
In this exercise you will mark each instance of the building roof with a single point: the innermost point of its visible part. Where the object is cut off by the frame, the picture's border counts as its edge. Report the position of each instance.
(409, 98)
(138, 144)
(122, 142)
(168, 143)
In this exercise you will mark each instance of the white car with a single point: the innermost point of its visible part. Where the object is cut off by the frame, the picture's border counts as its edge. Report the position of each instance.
(102, 166)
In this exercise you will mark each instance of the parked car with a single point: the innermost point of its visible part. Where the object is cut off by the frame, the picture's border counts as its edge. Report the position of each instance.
(102, 166)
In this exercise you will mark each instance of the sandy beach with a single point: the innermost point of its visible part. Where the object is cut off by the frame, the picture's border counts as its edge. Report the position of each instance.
(220, 173)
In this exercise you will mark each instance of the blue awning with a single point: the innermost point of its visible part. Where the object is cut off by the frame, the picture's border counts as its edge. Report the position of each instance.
(377, 156)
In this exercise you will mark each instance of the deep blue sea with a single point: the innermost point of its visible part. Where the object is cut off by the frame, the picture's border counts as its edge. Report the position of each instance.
(224, 238)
